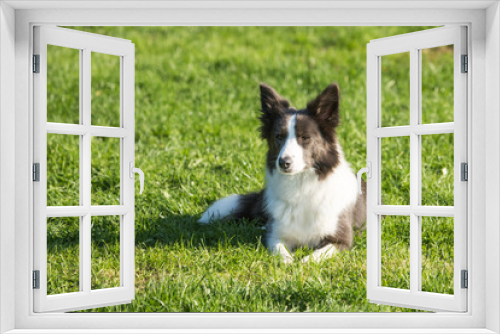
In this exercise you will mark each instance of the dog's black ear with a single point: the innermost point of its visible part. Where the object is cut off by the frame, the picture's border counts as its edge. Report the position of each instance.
(271, 101)
(273, 106)
(325, 107)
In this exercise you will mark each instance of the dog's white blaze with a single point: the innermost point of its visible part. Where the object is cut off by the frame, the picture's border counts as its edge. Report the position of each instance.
(292, 149)
(220, 209)
(305, 209)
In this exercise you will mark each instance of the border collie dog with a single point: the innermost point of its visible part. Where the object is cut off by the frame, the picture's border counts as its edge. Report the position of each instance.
(311, 196)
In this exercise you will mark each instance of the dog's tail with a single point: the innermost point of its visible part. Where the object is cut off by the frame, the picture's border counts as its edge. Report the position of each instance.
(234, 207)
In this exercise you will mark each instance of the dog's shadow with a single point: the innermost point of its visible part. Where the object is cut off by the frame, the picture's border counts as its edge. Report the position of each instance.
(185, 230)
(170, 230)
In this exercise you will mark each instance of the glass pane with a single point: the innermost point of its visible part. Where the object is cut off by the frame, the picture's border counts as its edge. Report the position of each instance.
(395, 170)
(395, 90)
(63, 255)
(105, 252)
(437, 169)
(63, 170)
(395, 252)
(105, 89)
(437, 84)
(437, 254)
(63, 85)
(105, 171)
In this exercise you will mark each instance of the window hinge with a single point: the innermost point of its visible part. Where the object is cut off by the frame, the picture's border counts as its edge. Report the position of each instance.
(36, 63)
(36, 279)
(465, 64)
(464, 171)
(36, 172)
(465, 279)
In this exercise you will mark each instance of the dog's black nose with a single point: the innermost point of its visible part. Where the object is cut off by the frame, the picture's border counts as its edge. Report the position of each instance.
(285, 163)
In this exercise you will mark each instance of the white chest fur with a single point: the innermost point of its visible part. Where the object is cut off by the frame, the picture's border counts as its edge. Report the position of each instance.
(305, 209)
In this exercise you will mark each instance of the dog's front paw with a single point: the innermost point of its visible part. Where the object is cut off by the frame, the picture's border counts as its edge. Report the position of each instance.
(320, 254)
(287, 259)
(305, 259)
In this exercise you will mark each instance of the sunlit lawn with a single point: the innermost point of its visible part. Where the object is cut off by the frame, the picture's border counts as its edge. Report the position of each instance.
(197, 102)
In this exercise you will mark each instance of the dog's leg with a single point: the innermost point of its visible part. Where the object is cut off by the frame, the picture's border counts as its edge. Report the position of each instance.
(221, 209)
(331, 244)
(320, 254)
(278, 247)
(236, 207)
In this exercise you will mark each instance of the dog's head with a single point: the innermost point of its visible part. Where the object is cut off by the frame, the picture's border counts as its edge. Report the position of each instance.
(300, 140)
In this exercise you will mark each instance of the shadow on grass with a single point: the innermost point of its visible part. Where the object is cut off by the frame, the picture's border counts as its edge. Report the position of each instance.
(184, 229)
(165, 231)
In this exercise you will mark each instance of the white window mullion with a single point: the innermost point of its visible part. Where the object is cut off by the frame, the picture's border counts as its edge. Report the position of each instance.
(85, 257)
(460, 155)
(421, 129)
(433, 129)
(86, 176)
(82, 234)
(80, 211)
(418, 117)
(80, 130)
(123, 181)
(405, 210)
(373, 157)
(394, 131)
(127, 229)
(123, 177)
(40, 156)
(103, 131)
(414, 171)
(85, 161)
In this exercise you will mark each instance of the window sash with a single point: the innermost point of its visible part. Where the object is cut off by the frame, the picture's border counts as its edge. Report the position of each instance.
(86, 297)
(413, 43)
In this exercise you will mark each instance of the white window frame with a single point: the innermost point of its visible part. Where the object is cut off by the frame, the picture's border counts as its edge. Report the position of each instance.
(86, 44)
(413, 43)
(484, 103)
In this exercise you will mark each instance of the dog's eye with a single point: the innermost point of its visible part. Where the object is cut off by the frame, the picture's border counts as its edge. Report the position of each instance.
(278, 137)
(305, 138)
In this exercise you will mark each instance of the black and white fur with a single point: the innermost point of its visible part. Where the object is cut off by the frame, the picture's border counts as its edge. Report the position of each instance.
(310, 197)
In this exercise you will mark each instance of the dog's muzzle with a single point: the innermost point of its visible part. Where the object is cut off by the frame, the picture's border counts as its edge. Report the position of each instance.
(285, 164)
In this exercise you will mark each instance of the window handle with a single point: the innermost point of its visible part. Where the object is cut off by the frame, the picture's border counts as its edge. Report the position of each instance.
(138, 171)
(368, 171)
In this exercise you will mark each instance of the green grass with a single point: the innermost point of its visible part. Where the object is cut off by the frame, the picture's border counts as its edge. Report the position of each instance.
(197, 102)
